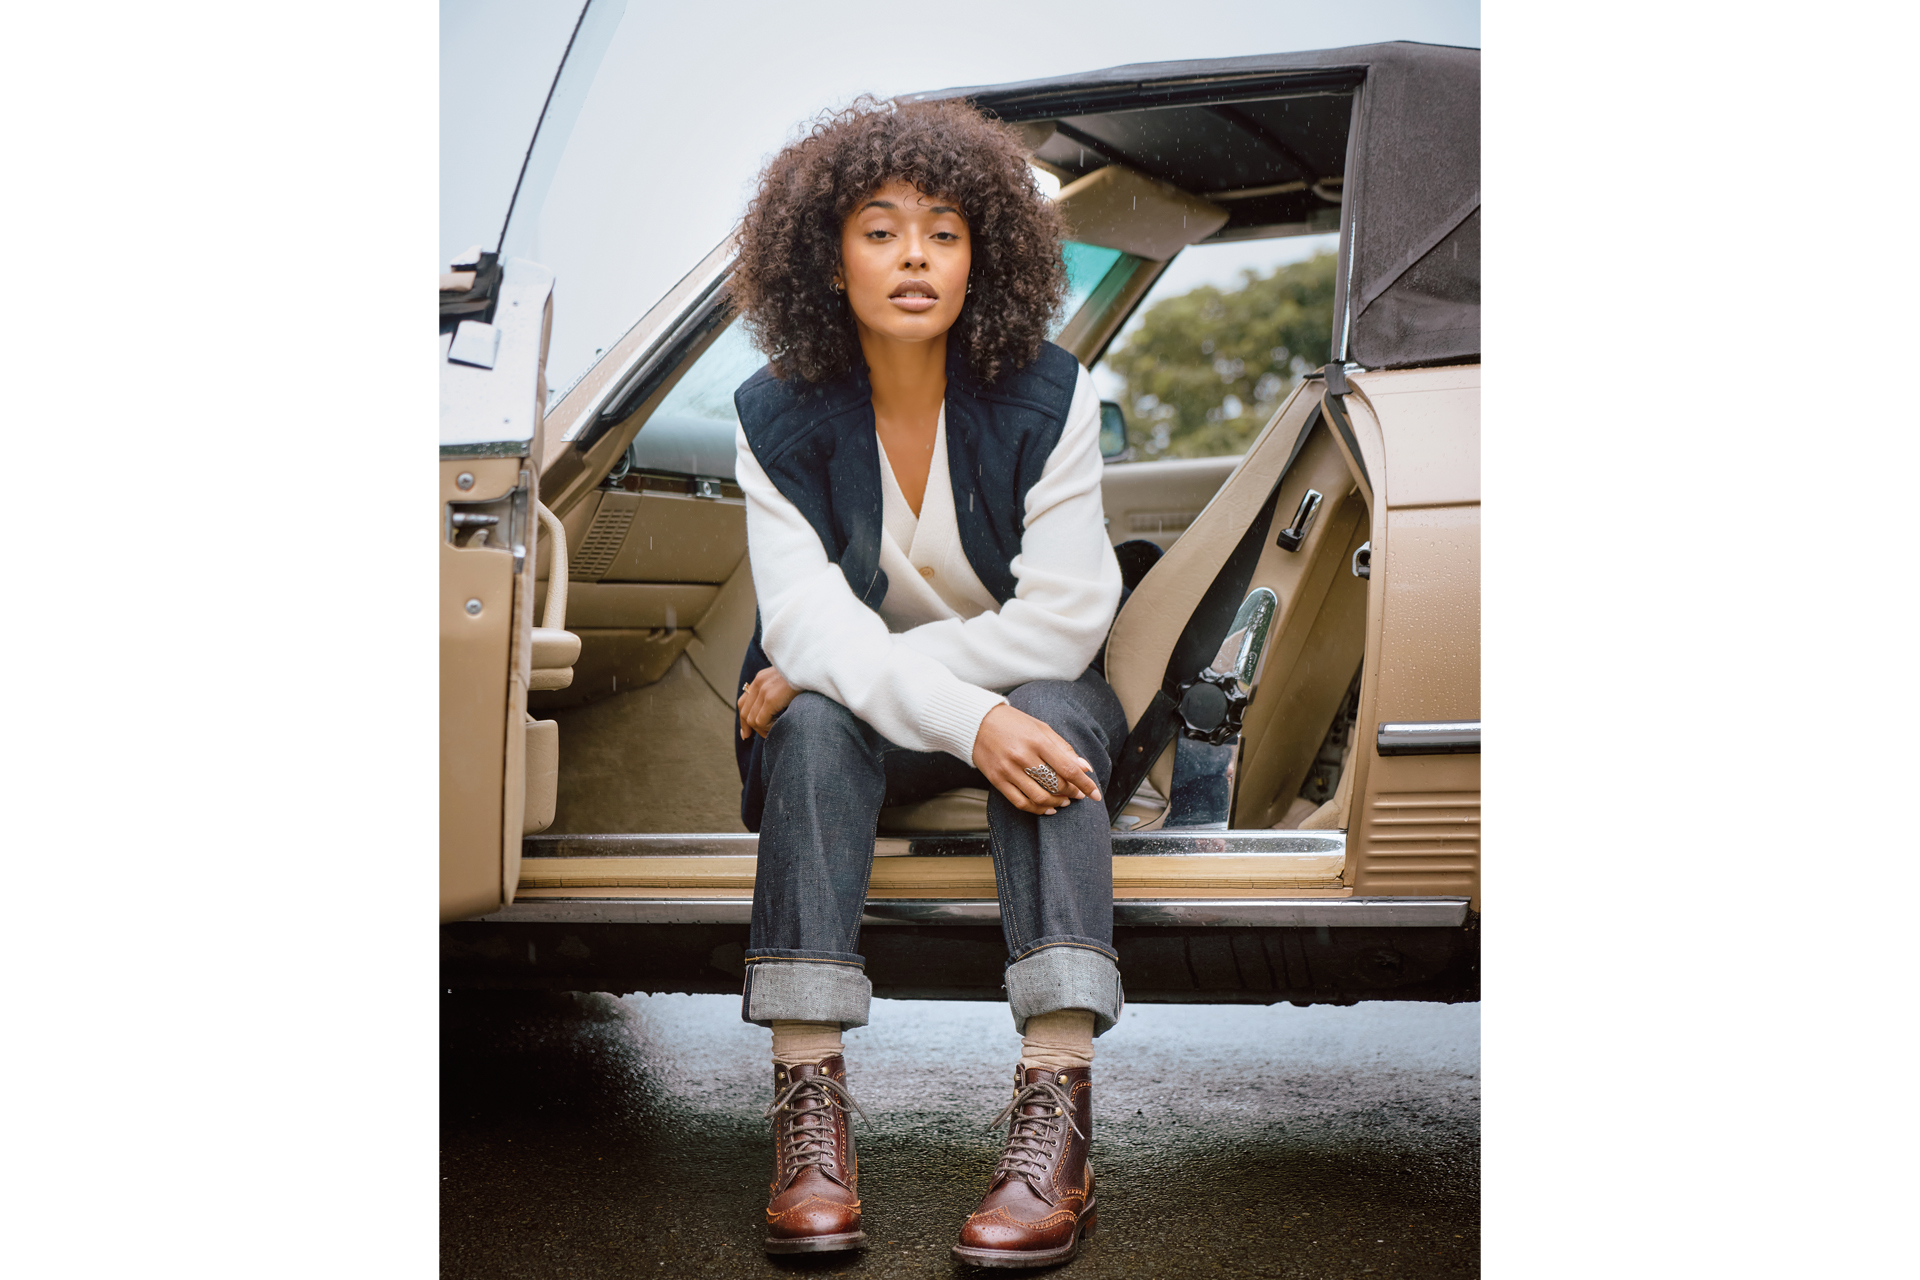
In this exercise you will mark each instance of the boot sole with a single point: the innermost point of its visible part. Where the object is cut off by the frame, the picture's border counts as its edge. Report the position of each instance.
(1011, 1258)
(818, 1244)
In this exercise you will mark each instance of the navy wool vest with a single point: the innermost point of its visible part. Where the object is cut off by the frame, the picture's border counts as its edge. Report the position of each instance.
(817, 445)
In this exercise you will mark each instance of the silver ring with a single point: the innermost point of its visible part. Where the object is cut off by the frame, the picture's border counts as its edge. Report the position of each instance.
(1046, 777)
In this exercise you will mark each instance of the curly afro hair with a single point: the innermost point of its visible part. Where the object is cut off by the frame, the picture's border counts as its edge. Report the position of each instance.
(790, 238)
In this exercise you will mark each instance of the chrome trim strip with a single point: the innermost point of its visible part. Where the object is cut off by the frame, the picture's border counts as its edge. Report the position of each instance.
(644, 360)
(494, 449)
(1226, 913)
(931, 911)
(664, 845)
(1146, 844)
(625, 911)
(1295, 913)
(1429, 738)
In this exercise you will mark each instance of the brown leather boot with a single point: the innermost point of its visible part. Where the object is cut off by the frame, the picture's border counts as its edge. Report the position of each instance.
(813, 1204)
(1041, 1202)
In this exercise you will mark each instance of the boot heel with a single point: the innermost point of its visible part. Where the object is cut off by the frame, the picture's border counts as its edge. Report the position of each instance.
(1086, 1227)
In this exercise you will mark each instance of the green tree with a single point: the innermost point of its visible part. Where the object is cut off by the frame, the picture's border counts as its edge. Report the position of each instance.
(1206, 369)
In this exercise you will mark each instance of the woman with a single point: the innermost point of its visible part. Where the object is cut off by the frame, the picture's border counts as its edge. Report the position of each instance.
(922, 474)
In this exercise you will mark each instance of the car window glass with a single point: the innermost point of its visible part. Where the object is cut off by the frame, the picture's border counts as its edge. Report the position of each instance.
(1097, 279)
(1218, 342)
(1087, 266)
(691, 433)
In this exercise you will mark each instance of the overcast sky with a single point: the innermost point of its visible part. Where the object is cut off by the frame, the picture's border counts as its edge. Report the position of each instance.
(693, 98)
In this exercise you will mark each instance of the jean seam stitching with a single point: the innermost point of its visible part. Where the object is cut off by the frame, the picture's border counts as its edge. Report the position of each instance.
(1078, 946)
(1002, 878)
(873, 840)
(854, 964)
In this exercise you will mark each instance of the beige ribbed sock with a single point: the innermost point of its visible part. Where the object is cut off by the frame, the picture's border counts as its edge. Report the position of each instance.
(798, 1042)
(1059, 1040)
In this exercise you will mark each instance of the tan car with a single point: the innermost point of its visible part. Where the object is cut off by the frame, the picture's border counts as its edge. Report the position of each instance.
(1297, 809)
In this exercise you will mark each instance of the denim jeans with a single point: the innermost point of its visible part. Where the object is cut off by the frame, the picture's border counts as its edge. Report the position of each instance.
(829, 774)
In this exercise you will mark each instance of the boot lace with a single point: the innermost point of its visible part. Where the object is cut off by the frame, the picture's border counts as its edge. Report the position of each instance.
(811, 1099)
(1033, 1139)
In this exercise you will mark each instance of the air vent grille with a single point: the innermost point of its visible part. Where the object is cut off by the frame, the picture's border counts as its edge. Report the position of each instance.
(1423, 842)
(602, 543)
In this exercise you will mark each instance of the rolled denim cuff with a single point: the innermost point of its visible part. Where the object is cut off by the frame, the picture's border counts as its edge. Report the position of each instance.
(1065, 975)
(806, 991)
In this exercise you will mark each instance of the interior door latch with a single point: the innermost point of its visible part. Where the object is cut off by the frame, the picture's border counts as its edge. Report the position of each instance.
(499, 523)
(1293, 535)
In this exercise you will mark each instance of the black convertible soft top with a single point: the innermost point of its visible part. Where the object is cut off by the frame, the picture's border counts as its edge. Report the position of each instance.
(1382, 140)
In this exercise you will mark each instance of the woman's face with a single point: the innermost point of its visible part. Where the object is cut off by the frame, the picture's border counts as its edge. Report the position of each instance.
(904, 259)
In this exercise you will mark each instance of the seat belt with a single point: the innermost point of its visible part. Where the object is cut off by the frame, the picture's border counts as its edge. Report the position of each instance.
(1199, 641)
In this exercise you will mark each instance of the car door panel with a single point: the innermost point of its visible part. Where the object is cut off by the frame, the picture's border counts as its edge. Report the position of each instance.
(1317, 638)
(1160, 500)
(1416, 826)
(491, 399)
(483, 684)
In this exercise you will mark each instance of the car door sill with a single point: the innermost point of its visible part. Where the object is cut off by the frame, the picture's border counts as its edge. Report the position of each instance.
(1273, 912)
(1147, 844)
(949, 869)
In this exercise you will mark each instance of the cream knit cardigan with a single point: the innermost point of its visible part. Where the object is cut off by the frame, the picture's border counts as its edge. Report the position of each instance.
(926, 669)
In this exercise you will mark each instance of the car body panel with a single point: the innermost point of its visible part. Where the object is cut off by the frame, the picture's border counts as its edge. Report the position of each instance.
(1416, 828)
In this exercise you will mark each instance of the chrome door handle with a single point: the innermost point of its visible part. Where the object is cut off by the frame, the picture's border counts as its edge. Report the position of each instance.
(1363, 560)
(1294, 534)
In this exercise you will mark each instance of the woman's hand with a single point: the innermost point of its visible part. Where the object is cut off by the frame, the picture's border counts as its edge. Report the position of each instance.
(1010, 741)
(761, 700)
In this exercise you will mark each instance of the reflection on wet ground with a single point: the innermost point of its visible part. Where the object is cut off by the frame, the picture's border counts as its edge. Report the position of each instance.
(588, 1136)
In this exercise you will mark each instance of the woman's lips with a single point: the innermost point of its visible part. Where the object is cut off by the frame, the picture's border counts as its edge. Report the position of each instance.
(914, 295)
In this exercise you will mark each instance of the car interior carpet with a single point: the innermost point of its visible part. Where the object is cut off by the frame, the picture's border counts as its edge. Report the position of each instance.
(656, 758)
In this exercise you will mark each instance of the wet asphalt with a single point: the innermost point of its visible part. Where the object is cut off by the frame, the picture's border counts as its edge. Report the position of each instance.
(590, 1136)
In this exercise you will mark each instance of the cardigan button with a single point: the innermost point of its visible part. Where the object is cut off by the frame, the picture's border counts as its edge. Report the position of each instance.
(926, 571)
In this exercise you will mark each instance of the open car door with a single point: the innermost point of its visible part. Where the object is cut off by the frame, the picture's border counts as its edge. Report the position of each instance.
(492, 389)
(498, 765)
